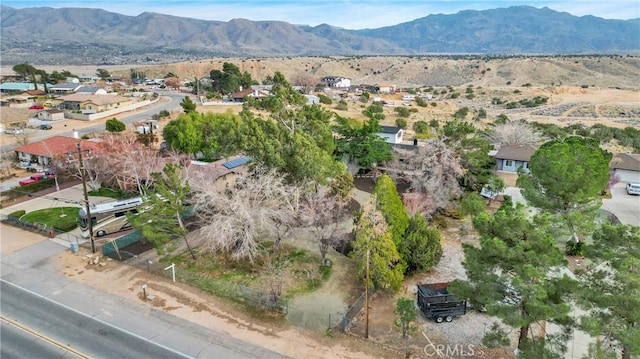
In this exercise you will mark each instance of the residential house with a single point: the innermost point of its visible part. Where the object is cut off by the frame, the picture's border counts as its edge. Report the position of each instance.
(391, 134)
(94, 103)
(626, 166)
(65, 88)
(50, 115)
(17, 101)
(18, 86)
(385, 88)
(511, 157)
(219, 174)
(240, 95)
(43, 152)
(336, 82)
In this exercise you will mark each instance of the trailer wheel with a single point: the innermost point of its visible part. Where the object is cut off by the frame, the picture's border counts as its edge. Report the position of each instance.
(439, 319)
(448, 318)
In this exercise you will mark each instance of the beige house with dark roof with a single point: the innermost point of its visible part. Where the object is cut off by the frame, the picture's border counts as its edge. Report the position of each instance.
(626, 166)
(511, 157)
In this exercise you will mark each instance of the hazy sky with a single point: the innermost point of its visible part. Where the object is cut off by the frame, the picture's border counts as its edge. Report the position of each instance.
(349, 14)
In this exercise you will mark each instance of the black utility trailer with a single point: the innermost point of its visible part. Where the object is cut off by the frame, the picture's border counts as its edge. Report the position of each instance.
(436, 303)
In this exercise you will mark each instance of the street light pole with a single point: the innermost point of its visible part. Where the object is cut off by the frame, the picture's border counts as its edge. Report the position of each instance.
(86, 198)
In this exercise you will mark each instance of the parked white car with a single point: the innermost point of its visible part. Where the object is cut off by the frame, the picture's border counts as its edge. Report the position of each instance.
(633, 188)
(14, 131)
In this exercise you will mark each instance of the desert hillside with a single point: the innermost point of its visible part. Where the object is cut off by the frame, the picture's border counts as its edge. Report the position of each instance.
(414, 71)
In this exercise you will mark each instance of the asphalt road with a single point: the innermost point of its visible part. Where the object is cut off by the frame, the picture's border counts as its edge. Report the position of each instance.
(625, 206)
(140, 115)
(100, 324)
(81, 333)
(19, 343)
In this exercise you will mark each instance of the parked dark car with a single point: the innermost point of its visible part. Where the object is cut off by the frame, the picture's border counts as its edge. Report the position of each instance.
(46, 126)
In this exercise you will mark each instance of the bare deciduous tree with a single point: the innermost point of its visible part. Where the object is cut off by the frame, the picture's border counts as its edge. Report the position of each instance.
(321, 210)
(513, 133)
(432, 171)
(128, 163)
(306, 80)
(237, 219)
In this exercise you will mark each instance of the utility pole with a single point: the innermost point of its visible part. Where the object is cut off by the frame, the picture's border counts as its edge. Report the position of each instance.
(366, 299)
(86, 198)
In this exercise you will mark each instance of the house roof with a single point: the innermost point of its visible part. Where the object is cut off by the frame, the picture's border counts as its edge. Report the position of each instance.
(249, 92)
(35, 92)
(88, 89)
(625, 161)
(17, 86)
(52, 111)
(65, 86)
(243, 93)
(96, 99)
(390, 129)
(202, 175)
(56, 145)
(515, 152)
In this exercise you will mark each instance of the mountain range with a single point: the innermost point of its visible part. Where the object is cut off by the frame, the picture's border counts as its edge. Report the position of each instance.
(77, 36)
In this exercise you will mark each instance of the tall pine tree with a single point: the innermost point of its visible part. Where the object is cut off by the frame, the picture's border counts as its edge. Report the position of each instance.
(374, 236)
(610, 289)
(515, 275)
(162, 215)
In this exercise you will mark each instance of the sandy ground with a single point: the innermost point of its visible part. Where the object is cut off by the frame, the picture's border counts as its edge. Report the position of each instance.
(201, 308)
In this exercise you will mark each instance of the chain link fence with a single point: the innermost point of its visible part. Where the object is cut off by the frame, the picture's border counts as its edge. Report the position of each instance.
(40, 228)
(351, 313)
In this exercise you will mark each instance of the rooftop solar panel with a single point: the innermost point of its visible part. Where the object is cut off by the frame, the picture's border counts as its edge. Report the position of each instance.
(235, 163)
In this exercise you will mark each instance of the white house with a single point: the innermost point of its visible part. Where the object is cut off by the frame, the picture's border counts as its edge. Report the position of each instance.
(336, 81)
(50, 115)
(626, 166)
(391, 134)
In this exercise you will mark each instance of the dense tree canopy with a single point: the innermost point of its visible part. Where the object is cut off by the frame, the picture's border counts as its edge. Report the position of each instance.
(361, 145)
(567, 177)
(391, 206)
(610, 288)
(514, 275)
(162, 216)
(115, 125)
(421, 248)
(373, 236)
(229, 79)
(183, 134)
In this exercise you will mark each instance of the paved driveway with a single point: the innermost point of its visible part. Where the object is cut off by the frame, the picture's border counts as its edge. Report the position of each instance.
(625, 207)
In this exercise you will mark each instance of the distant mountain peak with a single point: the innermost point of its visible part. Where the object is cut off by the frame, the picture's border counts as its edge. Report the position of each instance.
(88, 36)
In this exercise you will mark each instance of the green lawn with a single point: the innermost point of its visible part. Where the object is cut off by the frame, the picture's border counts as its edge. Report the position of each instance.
(61, 218)
(108, 192)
